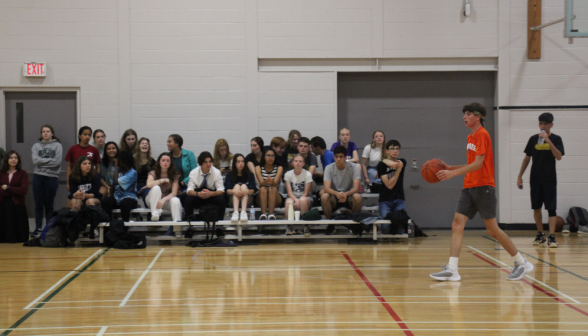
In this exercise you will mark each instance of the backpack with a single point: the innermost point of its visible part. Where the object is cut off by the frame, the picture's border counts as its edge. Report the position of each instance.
(119, 237)
(209, 215)
(577, 216)
(398, 222)
(53, 234)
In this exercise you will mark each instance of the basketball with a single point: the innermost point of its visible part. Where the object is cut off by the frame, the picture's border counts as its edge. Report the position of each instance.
(430, 168)
(559, 223)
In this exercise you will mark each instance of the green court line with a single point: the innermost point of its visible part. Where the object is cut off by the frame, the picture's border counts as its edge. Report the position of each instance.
(546, 262)
(50, 296)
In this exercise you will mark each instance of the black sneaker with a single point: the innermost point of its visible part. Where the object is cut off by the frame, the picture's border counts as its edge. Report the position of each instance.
(330, 230)
(551, 243)
(540, 239)
(36, 233)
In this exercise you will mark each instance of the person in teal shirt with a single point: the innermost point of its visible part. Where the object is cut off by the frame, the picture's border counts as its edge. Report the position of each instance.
(184, 160)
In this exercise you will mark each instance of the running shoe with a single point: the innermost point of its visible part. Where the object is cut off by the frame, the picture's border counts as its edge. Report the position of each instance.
(519, 271)
(583, 229)
(289, 230)
(330, 230)
(36, 233)
(306, 231)
(235, 217)
(551, 243)
(446, 274)
(566, 229)
(539, 239)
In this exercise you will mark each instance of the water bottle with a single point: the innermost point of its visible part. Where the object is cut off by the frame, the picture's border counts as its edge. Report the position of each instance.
(252, 213)
(540, 141)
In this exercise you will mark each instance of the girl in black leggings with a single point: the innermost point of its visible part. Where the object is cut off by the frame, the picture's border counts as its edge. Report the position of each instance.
(125, 186)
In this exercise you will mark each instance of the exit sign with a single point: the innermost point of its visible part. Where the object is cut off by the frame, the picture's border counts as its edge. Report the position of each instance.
(34, 69)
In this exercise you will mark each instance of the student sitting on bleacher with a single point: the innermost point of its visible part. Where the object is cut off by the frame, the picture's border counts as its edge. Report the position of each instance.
(125, 188)
(269, 174)
(84, 183)
(205, 187)
(319, 148)
(298, 183)
(164, 184)
(341, 186)
(240, 188)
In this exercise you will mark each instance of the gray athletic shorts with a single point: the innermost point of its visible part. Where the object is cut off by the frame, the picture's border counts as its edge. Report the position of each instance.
(477, 199)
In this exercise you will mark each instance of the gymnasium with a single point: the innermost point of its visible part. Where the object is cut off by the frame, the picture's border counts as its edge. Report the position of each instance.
(363, 86)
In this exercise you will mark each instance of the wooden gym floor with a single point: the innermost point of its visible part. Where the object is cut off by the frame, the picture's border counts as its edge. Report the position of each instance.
(303, 288)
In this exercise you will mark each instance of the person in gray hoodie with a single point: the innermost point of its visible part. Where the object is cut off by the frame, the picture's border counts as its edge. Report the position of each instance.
(47, 158)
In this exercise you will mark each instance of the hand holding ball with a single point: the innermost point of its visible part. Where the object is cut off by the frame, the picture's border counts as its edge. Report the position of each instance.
(430, 169)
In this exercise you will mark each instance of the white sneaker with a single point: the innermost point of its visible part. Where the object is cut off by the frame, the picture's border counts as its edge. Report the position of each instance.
(519, 271)
(235, 217)
(446, 274)
(243, 218)
(155, 216)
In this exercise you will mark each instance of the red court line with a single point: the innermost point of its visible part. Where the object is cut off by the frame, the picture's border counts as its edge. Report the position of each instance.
(536, 287)
(378, 296)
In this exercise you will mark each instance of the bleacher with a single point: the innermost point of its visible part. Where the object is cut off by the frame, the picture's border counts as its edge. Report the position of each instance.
(275, 229)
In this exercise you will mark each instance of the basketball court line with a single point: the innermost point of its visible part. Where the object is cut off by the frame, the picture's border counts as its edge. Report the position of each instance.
(309, 303)
(52, 295)
(295, 323)
(124, 301)
(62, 280)
(541, 289)
(102, 331)
(304, 330)
(530, 277)
(546, 262)
(377, 294)
(320, 297)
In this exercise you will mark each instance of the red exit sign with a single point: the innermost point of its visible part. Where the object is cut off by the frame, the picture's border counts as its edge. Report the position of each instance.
(34, 69)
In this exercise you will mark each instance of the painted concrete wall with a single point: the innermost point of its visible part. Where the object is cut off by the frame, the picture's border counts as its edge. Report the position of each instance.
(191, 67)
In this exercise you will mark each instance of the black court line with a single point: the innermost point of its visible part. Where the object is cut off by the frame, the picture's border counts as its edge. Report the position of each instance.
(545, 262)
(50, 296)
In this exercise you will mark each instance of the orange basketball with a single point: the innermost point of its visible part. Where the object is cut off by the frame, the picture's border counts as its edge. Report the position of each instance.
(559, 223)
(430, 168)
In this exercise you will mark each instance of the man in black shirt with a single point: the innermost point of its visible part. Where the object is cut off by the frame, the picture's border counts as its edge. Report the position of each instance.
(391, 171)
(544, 148)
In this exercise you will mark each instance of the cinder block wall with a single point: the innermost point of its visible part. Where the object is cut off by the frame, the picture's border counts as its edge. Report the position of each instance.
(191, 67)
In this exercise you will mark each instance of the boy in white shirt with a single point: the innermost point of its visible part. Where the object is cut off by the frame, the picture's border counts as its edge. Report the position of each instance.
(298, 184)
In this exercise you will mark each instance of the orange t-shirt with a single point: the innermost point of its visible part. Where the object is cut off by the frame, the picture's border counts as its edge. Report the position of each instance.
(480, 143)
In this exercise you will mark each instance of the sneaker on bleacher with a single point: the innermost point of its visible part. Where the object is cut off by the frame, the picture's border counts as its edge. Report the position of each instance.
(243, 218)
(235, 217)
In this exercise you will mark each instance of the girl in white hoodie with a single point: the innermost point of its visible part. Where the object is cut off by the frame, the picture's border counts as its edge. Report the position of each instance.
(47, 157)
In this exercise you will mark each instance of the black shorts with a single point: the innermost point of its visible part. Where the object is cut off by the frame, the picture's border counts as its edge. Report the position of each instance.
(478, 199)
(544, 194)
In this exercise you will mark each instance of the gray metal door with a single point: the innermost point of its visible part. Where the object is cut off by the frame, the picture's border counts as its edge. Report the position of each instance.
(422, 110)
(26, 112)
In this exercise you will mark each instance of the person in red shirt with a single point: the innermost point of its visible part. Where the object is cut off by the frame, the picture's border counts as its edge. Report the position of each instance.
(83, 148)
(478, 195)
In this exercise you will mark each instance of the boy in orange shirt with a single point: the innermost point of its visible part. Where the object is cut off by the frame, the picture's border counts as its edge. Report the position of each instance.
(478, 195)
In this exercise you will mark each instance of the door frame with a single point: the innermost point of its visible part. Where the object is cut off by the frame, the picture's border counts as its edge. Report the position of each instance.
(5, 89)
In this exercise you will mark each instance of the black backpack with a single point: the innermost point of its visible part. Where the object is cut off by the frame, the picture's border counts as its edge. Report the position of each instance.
(119, 237)
(577, 216)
